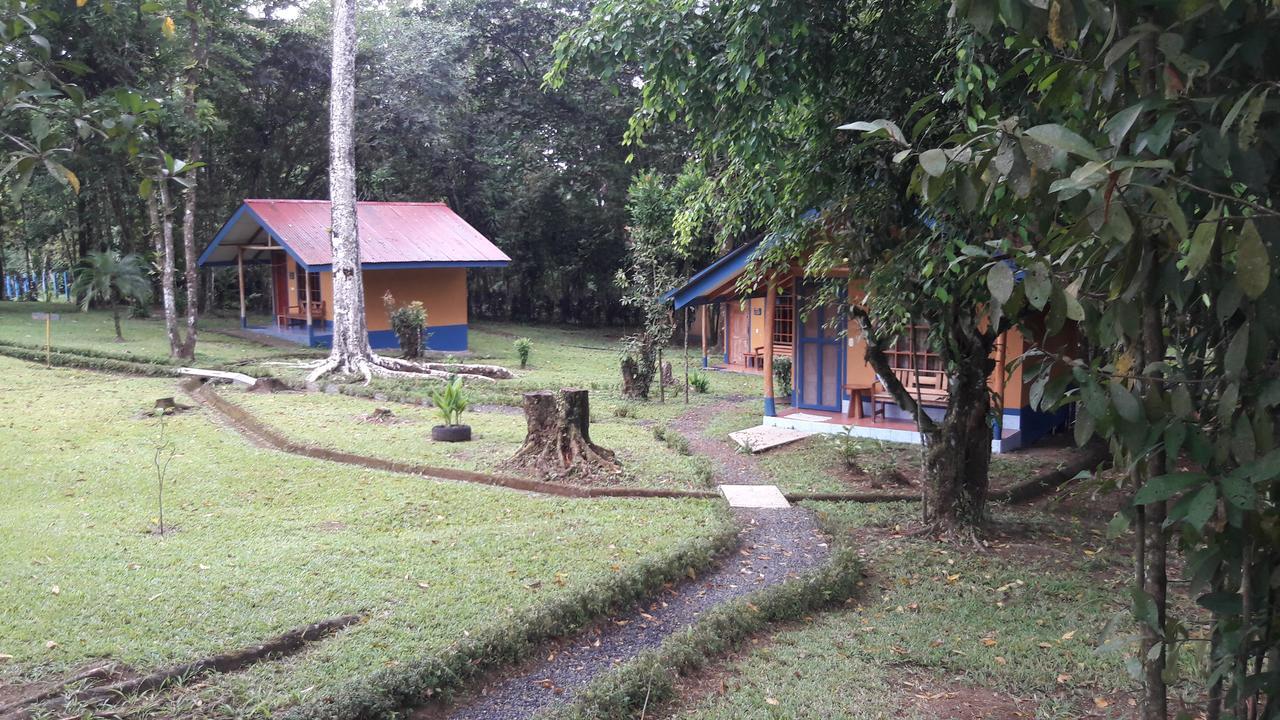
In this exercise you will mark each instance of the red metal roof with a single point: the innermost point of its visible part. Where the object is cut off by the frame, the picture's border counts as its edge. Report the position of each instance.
(391, 234)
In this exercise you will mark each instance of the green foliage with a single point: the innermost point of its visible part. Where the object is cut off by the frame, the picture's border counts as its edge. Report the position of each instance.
(1125, 162)
(107, 276)
(700, 381)
(782, 375)
(672, 438)
(624, 410)
(523, 346)
(450, 401)
(408, 322)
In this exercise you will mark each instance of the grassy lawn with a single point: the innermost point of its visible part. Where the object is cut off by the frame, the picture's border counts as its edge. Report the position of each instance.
(1013, 628)
(144, 340)
(569, 357)
(340, 422)
(264, 542)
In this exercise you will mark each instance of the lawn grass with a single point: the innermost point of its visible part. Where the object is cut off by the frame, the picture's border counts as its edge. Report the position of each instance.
(144, 339)
(1013, 620)
(263, 542)
(340, 422)
(570, 357)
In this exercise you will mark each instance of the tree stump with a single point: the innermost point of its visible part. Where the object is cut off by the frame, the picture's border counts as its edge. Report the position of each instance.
(557, 443)
(668, 374)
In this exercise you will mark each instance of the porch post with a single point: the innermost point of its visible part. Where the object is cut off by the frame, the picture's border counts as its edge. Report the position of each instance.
(770, 299)
(244, 322)
(306, 302)
(703, 310)
(725, 317)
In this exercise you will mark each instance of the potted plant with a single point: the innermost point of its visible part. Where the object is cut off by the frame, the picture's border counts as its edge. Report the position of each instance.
(450, 402)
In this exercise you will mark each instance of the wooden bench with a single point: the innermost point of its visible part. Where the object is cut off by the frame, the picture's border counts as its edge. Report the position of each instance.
(755, 358)
(927, 387)
(315, 309)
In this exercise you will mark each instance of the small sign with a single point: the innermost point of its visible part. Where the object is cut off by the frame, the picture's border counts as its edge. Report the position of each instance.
(45, 316)
(758, 311)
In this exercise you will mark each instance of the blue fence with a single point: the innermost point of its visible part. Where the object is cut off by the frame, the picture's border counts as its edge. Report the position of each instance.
(34, 286)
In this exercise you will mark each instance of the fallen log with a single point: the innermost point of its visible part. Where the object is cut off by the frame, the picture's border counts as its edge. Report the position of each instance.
(220, 375)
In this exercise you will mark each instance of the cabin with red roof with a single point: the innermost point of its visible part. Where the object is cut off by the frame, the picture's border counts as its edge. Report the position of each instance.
(415, 251)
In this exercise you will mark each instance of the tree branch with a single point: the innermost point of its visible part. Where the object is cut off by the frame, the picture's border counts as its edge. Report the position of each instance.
(880, 363)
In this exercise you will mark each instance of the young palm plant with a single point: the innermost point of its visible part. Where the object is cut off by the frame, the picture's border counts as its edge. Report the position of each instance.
(109, 277)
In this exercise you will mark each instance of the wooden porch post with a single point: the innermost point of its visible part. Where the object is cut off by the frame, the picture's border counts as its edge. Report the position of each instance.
(240, 272)
(703, 310)
(770, 299)
(306, 302)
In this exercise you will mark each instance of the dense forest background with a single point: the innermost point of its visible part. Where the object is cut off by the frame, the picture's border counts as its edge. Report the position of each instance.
(452, 107)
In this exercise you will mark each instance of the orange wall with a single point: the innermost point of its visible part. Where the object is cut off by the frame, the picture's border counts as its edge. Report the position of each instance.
(442, 290)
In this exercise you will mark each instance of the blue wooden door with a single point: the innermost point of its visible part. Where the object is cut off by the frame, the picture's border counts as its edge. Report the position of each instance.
(820, 360)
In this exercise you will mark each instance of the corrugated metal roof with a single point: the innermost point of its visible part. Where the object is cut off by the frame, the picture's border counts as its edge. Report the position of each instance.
(391, 234)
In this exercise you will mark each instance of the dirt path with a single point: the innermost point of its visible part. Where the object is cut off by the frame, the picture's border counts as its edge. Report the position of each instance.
(775, 545)
(731, 467)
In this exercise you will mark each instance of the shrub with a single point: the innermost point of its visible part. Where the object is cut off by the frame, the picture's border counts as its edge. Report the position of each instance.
(782, 375)
(672, 438)
(848, 448)
(704, 472)
(700, 381)
(624, 410)
(408, 323)
(523, 347)
(450, 401)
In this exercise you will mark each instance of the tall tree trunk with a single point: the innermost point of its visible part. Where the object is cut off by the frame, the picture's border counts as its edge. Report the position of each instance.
(191, 273)
(351, 350)
(957, 458)
(158, 207)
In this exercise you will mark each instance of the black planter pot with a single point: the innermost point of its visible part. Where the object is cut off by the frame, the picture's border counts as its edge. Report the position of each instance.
(451, 433)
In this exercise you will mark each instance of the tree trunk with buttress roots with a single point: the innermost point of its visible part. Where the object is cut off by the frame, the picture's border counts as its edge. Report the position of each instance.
(557, 442)
(957, 456)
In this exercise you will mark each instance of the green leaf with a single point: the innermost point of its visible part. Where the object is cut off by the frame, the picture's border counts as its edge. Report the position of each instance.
(1172, 211)
(1237, 490)
(1163, 487)
(934, 161)
(1121, 48)
(1195, 509)
(1118, 525)
(1243, 442)
(1063, 139)
(1125, 403)
(1039, 285)
(1083, 427)
(889, 127)
(1237, 351)
(1265, 468)
(1144, 608)
(1000, 281)
(1253, 265)
(1202, 242)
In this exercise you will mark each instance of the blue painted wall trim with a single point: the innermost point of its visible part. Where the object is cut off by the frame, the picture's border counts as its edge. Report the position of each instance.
(443, 338)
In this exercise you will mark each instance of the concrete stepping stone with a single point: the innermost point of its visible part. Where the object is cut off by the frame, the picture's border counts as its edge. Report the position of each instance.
(754, 496)
(766, 437)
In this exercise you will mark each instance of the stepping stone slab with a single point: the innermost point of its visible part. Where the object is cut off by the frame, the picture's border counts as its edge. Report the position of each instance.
(765, 437)
(754, 496)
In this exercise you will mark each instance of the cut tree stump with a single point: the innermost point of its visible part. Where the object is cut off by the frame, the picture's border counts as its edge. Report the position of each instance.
(557, 443)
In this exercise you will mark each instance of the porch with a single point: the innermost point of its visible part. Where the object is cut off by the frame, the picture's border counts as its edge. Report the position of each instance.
(887, 429)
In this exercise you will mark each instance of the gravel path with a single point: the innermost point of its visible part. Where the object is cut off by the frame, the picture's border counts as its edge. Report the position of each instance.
(775, 545)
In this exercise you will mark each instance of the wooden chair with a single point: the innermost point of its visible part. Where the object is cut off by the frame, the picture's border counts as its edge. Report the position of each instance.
(927, 387)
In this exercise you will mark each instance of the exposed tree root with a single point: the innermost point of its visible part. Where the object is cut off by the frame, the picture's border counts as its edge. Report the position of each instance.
(387, 367)
(557, 444)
